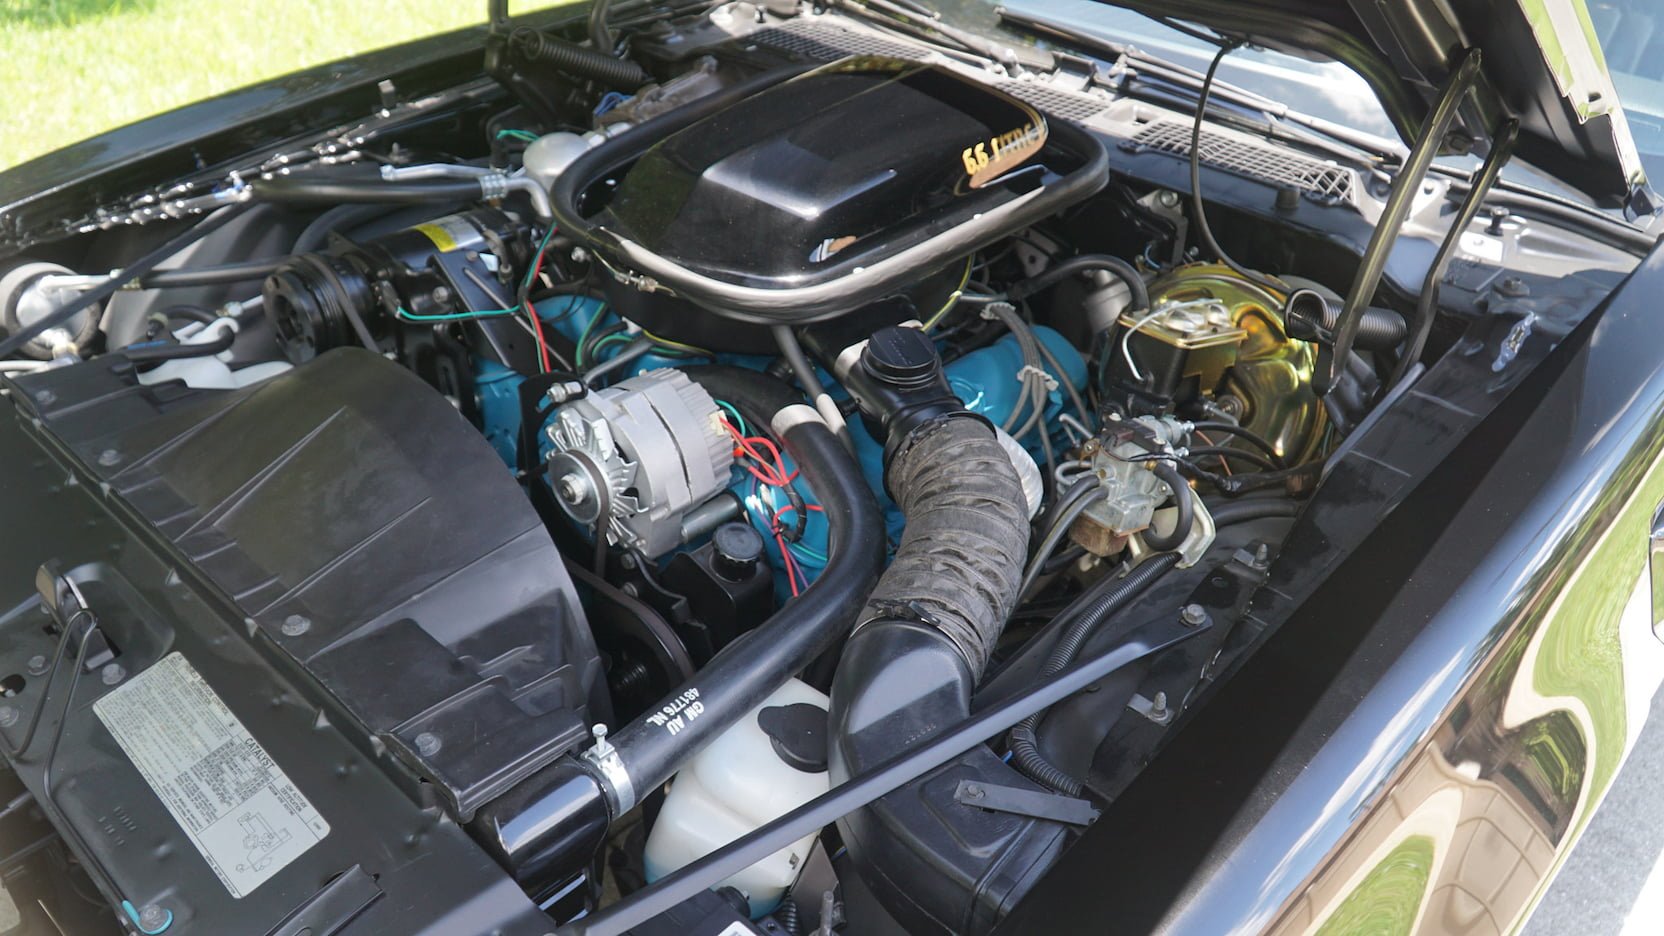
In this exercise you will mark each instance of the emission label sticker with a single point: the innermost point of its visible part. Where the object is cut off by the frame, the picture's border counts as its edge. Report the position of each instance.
(448, 234)
(221, 786)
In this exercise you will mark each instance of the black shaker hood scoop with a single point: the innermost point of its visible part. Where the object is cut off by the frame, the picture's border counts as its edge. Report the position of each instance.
(797, 196)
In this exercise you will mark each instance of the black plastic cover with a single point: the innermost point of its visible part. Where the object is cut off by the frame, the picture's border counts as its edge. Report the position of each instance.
(794, 182)
(365, 529)
(87, 455)
(792, 199)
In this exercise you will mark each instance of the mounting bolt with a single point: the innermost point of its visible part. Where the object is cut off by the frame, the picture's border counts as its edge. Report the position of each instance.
(561, 392)
(112, 673)
(295, 625)
(599, 732)
(8, 716)
(629, 561)
(153, 918)
(109, 458)
(1193, 615)
(631, 590)
(1498, 214)
(1158, 705)
(37, 664)
(973, 791)
(427, 744)
(45, 397)
(573, 488)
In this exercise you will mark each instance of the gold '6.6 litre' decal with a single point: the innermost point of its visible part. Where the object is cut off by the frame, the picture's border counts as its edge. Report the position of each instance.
(987, 160)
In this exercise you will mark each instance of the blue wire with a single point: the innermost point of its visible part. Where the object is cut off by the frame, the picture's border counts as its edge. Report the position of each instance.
(1148, 259)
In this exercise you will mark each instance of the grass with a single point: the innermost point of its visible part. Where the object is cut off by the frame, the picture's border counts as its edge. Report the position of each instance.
(70, 69)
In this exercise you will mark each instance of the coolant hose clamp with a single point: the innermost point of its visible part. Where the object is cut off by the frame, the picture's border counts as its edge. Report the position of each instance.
(609, 768)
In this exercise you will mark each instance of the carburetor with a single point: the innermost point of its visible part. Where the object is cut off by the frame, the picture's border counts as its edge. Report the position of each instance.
(1120, 458)
(635, 460)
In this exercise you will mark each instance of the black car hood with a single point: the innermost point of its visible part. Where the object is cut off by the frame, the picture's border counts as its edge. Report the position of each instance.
(1542, 66)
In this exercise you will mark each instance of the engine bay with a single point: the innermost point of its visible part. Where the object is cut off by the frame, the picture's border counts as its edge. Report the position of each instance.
(545, 486)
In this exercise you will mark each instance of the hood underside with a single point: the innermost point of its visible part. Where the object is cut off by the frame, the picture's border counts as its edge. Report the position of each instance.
(1542, 66)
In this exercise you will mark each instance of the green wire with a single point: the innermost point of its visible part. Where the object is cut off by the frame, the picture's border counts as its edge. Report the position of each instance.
(584, 336)
(953, 297)
(488, 313)
(531, 269)
(595, 351)
(812, 554)
(739, 421)
(453, 316)
(524, 135)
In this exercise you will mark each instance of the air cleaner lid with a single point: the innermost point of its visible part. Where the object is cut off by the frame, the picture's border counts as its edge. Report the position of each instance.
(817, 193)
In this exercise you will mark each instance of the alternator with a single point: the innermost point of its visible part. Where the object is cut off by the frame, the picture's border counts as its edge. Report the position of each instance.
(639, 455)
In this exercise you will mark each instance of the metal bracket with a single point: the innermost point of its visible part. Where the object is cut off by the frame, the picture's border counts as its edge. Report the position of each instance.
(1031, 803)
(1156, 710)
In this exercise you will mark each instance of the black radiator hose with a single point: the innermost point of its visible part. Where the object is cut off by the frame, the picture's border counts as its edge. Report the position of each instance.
(756, 664)
(553, 823)
(926, 634)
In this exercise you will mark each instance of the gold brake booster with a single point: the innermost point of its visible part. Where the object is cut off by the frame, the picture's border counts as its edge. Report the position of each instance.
(1215, 335)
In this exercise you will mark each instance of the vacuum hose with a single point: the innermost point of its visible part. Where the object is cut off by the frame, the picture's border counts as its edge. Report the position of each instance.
(1106, 597)
(1311, 315)
(574, 59)
(1140, 294)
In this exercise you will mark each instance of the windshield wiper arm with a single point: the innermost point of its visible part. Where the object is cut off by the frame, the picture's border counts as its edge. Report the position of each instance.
(1190, 81)
(919, 21)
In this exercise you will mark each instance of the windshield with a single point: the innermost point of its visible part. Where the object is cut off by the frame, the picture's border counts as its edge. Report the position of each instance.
(1631, 33)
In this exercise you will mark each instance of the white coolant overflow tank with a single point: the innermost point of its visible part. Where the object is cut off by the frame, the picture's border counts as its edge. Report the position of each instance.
(771, 762)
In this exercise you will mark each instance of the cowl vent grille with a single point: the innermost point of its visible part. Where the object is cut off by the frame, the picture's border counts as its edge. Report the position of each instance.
(823, 42)
(1055, 103)
(1264, 161)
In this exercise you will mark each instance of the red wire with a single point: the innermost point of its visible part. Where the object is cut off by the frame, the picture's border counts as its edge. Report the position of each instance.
(537, 323)
(786, 559)
(537, 328)
(771, 470)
